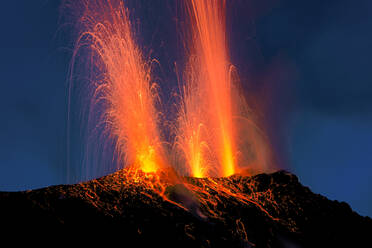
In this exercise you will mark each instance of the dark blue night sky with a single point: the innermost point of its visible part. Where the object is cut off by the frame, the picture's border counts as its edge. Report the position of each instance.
(307, 61)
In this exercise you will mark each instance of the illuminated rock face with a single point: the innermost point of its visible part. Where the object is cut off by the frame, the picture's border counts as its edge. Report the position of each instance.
(277, 211)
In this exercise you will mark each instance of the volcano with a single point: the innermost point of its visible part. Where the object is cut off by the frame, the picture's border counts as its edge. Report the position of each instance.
(265, 210)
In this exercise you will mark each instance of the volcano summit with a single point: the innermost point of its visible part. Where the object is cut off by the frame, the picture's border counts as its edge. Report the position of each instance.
(146, 209)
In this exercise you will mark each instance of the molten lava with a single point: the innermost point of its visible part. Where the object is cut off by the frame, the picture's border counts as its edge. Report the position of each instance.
(205, 131)
(123, 85)
(216, 130)
(215, 125)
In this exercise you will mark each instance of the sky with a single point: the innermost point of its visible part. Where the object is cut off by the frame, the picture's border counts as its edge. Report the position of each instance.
(306, 63)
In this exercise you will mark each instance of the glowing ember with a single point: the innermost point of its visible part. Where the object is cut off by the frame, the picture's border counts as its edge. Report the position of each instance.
(124, 85)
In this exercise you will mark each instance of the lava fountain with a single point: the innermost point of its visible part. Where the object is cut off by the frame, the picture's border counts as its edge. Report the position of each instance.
(214, 125)
(122, 84)
(216, 130)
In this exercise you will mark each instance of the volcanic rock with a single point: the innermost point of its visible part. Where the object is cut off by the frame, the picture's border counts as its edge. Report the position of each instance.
(266, 210)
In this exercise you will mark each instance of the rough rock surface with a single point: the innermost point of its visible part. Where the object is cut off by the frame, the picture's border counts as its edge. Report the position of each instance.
(281, 213)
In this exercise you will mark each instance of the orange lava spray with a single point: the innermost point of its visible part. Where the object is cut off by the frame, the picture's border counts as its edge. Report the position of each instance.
(122, 84)
(205, 121)
(215, 125)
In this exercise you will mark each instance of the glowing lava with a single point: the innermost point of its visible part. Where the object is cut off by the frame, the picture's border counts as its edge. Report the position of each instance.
(123, 85)
(206, 132)
(210, 118)
(215, 128)
(215, 125)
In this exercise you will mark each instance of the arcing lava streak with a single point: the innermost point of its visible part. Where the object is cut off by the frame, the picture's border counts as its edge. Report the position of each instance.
(123, 85)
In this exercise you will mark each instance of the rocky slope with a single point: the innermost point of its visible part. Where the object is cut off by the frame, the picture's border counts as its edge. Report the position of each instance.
(266, 210)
